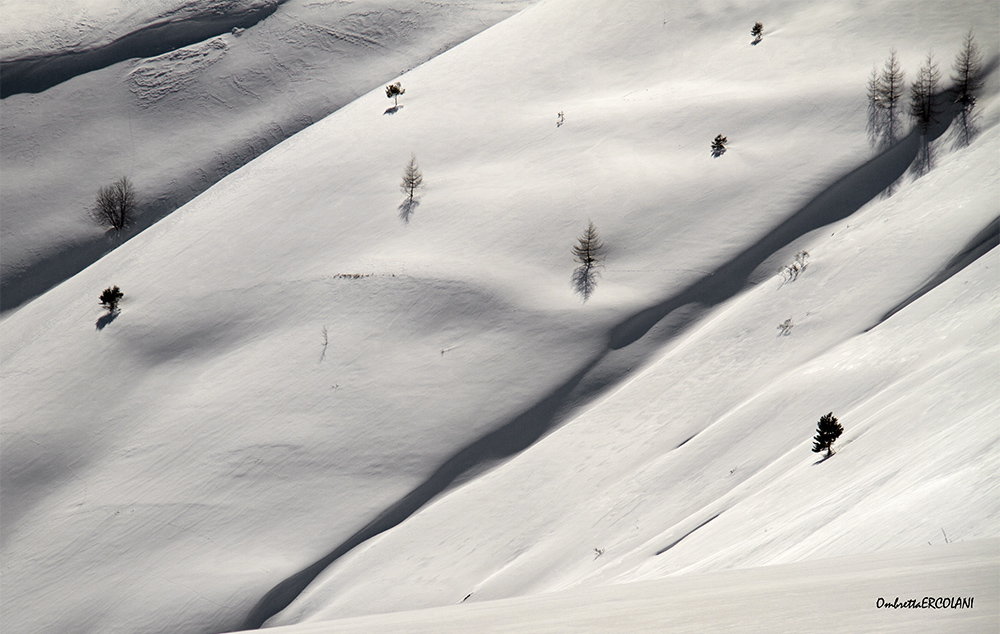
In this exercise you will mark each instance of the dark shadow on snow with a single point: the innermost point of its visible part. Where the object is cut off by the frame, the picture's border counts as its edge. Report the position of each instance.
(39, 73)
(985, 241)
(106, 319)
(407, 207)
(671, 316)
(514, 437)
(392, 110)
(686, 535)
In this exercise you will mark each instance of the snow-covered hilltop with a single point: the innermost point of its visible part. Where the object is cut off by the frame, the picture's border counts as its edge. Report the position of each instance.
(312, 408)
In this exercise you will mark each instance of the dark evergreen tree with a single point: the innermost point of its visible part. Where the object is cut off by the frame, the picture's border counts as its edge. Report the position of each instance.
(589, 251)
(719, 146)
(109, 298)
(393, 91)
(757, 32)
(828, 430)
(968, 79)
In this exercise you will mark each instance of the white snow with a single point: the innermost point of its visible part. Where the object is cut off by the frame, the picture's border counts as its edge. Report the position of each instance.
(177, 120)
(415, 412)
(825, 595)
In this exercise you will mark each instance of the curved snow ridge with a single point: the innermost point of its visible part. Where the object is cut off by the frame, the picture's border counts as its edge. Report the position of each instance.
(183, 27)
(630, 343)
(983, 242)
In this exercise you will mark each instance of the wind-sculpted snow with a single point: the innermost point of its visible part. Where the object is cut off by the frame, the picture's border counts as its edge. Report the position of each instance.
(183, 26)
(669, 318)
(177, 96)
(307, 402)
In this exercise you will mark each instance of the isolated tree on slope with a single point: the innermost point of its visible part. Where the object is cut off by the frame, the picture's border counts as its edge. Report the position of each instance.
(115, 205)
(393, 91)
(719, 145)
(968, 79)
(413, 178)
(109, 298)
(589, 251)
(828, 430)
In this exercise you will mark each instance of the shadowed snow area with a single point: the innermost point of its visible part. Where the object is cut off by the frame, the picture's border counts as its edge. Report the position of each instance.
(176, 95)
(673, 315)
(310, 407)
(183, 26)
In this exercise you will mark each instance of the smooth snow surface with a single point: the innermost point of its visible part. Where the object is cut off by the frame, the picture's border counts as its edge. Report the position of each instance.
(310, 408)
(821, 596)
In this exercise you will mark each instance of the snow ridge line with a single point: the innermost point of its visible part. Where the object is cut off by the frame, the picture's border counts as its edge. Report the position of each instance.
(984, 242)
(39, 73)
(670, 318)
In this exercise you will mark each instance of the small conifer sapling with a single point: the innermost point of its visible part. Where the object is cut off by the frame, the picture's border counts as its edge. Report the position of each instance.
(719, 146)
(393, 91)
(110, 297)
(828, 430)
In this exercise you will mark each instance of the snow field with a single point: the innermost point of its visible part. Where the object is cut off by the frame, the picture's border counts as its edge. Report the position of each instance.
(165, 472)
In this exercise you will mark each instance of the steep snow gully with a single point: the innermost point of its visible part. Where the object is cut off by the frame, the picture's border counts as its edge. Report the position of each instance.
(39, 73)
(629, 343)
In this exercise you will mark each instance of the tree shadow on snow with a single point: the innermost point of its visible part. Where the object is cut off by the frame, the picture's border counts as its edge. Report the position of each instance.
(106, 319)
(663, 320)
(407, 207)
(392, 110)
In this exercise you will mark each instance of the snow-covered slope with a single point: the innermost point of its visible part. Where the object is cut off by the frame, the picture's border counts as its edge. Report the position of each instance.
(308, 402)
(821, 596)
(176, 95)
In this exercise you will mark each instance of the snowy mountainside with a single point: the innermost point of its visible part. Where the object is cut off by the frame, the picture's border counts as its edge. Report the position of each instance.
(780, 598)
(309, 408)
(175, 95)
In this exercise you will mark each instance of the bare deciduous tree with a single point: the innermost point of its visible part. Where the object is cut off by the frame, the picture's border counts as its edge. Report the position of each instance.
(589, 251)
(924, 111)
(924, 108)
(968, 78)
(413, 178)
(115, 206)
(876, 113)
(891, 85)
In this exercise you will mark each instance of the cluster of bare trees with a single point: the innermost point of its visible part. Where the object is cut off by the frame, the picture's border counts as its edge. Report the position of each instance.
(886, 106)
